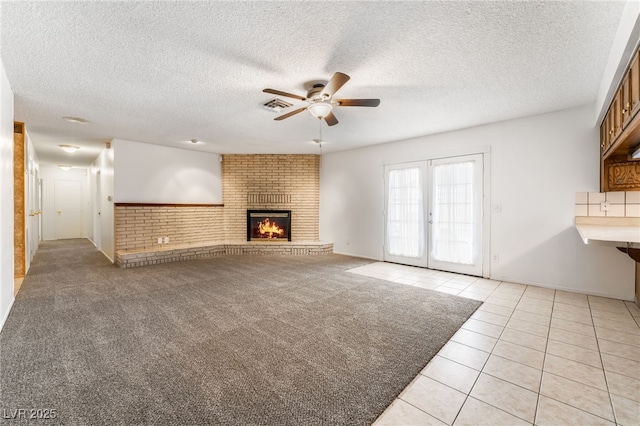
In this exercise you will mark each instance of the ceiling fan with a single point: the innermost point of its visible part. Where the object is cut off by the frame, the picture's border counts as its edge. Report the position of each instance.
(321, 102)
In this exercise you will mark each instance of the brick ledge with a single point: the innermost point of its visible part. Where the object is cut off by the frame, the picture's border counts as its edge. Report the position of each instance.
(175, 253)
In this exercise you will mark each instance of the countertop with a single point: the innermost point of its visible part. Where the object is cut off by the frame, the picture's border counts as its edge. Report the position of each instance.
(619, 230)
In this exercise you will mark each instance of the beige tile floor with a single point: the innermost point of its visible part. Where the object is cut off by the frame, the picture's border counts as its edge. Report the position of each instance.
(529, 355)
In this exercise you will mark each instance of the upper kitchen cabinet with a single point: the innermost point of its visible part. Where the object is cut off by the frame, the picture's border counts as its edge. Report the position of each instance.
(633, 82)
(620, 134)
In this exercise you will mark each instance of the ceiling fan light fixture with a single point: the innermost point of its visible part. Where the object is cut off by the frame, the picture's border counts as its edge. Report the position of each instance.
(320, 109)
(69, 148)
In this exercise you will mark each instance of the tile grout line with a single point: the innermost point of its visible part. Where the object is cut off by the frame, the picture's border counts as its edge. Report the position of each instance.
(544, 358)
(574, 407)
(604, 373)
(636, 320)
(485, 363)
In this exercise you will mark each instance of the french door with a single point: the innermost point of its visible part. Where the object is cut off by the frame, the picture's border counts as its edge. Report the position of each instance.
(434, 212)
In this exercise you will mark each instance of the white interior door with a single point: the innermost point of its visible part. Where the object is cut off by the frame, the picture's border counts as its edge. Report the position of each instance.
(455, 214)
(97, 217)
(434, 214)
(68, 201)
(39, 209)
(34, 208)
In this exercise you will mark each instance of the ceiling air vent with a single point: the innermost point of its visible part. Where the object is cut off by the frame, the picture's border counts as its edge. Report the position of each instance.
(276, 105)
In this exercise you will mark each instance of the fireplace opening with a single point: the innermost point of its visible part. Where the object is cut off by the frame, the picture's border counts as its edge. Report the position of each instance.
(268, 225)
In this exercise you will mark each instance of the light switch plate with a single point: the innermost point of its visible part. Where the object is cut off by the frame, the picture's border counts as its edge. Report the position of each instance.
(159, 240)
(166, 240)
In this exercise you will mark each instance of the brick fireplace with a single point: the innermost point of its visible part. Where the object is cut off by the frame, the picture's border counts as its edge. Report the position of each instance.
(269, 183)
(268, 225)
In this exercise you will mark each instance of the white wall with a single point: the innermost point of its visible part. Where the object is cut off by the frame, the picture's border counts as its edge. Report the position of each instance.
(6, 196)
(537, 165)
(49, 174)
(146, 173)
(104, 233)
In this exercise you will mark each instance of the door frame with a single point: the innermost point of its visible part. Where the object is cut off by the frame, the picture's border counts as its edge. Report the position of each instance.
(486, 197)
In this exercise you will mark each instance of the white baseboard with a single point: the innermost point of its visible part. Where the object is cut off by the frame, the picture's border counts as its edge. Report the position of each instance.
(358, 256)
(101, 251)
(6, 315)
(107, 256)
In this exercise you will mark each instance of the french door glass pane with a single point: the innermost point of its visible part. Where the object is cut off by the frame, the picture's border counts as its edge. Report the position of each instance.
(453, 213)
(405, 218)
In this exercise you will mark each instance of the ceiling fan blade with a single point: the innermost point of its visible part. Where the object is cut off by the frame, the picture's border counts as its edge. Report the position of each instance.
(281, 93)
(331, 119)
(337, 81)
(289, 114)
(358, 102)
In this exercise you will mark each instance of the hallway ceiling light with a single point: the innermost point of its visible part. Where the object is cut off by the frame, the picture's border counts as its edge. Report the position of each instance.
(65, 168)
(192, 142)
(76, 120)
(69, 148)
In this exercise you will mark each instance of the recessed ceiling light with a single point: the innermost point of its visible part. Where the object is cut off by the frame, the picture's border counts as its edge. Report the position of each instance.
(63, 167)
(77, 120)
(69, 148)
(192, 142)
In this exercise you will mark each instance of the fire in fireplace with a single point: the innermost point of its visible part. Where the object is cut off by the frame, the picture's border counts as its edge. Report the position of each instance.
(268, 225)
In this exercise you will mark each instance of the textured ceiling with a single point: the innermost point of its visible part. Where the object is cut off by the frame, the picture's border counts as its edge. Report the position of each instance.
(166, 72)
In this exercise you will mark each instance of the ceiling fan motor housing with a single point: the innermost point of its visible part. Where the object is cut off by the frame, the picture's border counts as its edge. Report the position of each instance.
(315, 93)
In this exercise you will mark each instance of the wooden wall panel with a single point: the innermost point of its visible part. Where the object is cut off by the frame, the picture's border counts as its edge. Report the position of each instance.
(19, 240)
(621, 174)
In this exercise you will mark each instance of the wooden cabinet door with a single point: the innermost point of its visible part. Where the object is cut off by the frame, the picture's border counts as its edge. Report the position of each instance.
(616, 113)
(605, 132)
(625, 99)
(634, 81)
(612, 125)
(603, 137)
